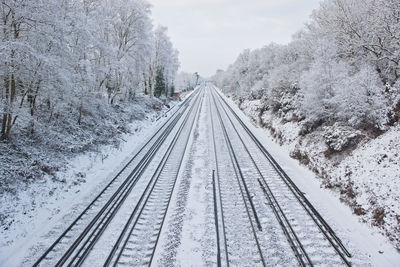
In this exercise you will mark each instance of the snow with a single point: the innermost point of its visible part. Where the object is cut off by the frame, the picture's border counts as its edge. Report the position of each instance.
(34, 212)
(331, 99)
(374, 168)
(185, 240)
(191, 249)
(364, 238)
(188, 236)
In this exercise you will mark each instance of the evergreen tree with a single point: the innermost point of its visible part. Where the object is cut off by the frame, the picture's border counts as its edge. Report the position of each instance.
(172, 90)
(160, 86)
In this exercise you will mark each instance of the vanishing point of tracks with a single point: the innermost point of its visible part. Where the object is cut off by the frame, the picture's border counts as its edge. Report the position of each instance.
(261, 217)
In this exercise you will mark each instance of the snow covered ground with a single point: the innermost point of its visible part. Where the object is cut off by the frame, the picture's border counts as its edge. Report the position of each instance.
(188, 239)
(30, 213)
(189, 223)
(367, 179)
(188, 236)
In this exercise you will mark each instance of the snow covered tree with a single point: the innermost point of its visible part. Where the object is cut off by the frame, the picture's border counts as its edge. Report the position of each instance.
(360, 100)
(343, 67)
(33, 55)
(320, 83)
(364, 30)
(185, 81)
(164, 59)
(64, 54)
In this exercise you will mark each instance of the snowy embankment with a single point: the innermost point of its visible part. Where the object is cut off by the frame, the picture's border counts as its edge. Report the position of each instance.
(367, 178)
(29, 206)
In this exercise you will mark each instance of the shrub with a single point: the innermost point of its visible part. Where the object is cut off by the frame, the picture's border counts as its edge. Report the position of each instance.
(340, 137)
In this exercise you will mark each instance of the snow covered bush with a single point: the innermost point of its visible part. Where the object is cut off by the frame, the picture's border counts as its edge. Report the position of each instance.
(338, 137)
(333, 92)
(393, 114)
(34, 156)
(360, 100)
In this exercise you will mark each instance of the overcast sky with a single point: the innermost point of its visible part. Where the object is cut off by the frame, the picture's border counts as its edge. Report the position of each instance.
(210, 34)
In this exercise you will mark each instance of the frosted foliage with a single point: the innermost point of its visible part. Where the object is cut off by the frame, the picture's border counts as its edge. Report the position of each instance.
(332, 95)
(280, 77)
(165, 56)
(64, 53)
(360, 100)
(163, 60)
(342, 67)
(340, 136)
(320, 83)
(73, 75)
(185, 81)
(366, 30)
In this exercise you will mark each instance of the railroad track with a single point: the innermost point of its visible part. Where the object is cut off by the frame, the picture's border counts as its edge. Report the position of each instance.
(309, 236)
(138, 240)
(237, 219)
(77, 241)
(259, 213)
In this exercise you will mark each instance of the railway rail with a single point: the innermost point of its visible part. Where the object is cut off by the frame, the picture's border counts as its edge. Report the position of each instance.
(248, 220)
(153, 205)
(89, 226)
(260, 157)
(259, 212)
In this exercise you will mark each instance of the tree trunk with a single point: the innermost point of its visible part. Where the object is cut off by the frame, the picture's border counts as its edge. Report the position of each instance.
(146, 92)
(3, 126)
(150, 87)
(32, 101)
(80, 113)
(7, 116)
(8, 126)
(6, 110)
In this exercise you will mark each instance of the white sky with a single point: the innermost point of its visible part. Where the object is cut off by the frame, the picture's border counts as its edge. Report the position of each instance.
(210, 34)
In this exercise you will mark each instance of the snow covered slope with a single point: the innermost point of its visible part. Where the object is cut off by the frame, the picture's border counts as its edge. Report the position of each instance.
(28, 207)
(366, 178)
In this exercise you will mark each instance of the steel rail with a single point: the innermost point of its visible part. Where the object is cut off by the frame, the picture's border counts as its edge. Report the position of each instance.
(147, 193)
(241, 181)
(219, 186)
(216, 219)
(116, 202)
(166, 125)
(90, 243)
(102, 222)
(289, 232)
(176, 178)
(323, 226)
